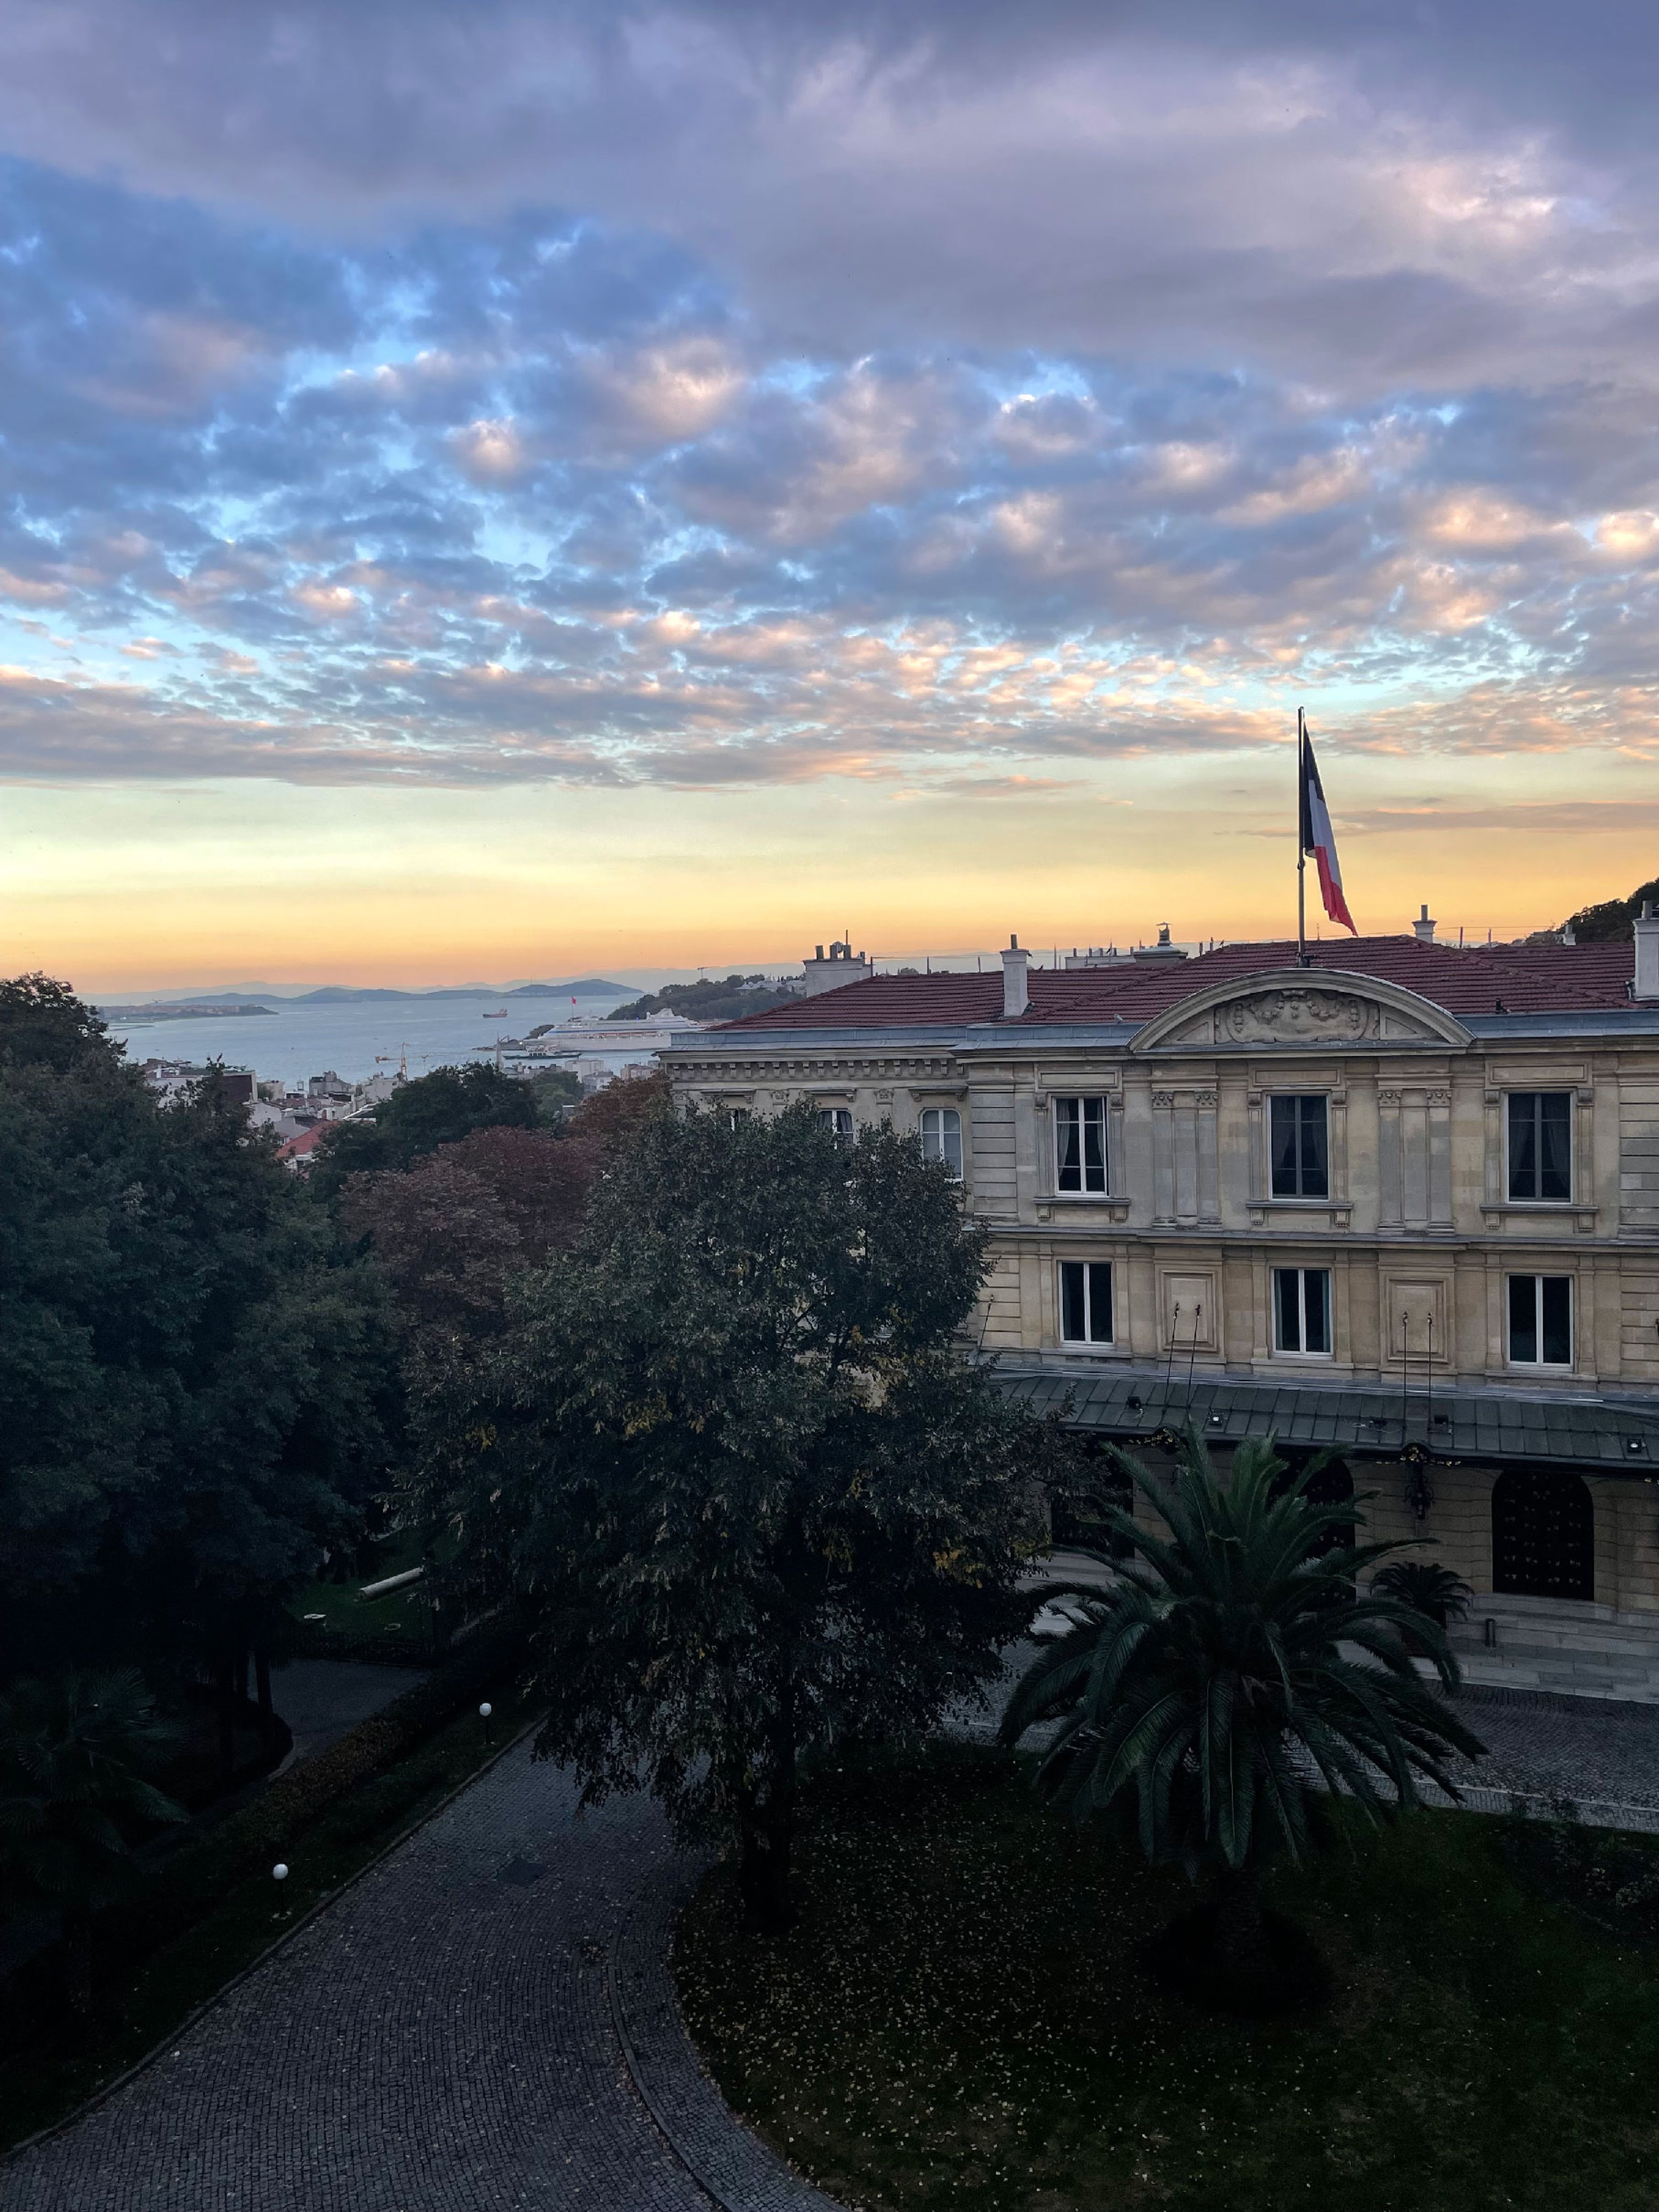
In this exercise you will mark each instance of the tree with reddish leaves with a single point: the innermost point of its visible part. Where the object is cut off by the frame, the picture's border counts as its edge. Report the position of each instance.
(454, 1229)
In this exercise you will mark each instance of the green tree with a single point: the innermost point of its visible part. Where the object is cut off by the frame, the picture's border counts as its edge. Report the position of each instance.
(728, 1460)
(1232, 1661)
(1609, 921)
(710, 1000)
(199, 1377)
(72, 1792)
(440, 1109)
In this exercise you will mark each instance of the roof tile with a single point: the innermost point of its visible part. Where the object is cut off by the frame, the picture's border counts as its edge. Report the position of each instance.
(1485, 979)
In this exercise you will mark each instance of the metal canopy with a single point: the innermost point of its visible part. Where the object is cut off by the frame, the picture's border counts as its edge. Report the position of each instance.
(1449, 1423)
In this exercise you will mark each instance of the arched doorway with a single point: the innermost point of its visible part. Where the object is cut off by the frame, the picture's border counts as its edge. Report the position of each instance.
(1543, 1533)
(1332, 1485)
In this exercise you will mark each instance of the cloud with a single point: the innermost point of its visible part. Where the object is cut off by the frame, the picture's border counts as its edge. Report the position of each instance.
(730, 394)
(1342, 198)
(1560, 818)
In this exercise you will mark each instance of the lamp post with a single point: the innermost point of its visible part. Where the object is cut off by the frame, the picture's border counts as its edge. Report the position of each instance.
(484, 1713)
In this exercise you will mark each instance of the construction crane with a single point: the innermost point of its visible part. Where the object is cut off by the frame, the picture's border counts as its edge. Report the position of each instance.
(402, 1058)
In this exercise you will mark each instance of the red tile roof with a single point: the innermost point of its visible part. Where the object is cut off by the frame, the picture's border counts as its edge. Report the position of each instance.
(1517, 979)
(302, 1146)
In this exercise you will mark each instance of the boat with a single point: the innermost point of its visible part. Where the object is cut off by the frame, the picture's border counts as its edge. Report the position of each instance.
(499, 1015)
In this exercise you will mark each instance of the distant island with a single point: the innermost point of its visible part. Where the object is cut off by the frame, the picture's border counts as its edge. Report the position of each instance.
(342, 994)
(181, 1010)
(336, 994)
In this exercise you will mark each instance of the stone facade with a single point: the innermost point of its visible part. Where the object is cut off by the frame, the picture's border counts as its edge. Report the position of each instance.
(1418, 1231)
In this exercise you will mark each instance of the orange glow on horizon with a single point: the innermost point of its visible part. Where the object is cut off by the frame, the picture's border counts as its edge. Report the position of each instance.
(122, 889)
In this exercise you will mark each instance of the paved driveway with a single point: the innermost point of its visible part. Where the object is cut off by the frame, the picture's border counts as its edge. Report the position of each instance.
(441, 2039)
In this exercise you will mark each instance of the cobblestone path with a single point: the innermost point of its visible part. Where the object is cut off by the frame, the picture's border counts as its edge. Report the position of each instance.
(442, 2039)
(1602, 1753)
(439, 2040)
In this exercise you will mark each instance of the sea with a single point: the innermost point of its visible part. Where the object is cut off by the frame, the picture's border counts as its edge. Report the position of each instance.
(356, 1040)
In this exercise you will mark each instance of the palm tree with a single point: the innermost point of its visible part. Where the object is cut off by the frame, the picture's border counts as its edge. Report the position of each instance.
(71, 1754)
(1232, 1666)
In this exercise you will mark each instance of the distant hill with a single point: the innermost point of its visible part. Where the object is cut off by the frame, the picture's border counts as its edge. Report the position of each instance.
(175, 1010)
(713, 1000)
(340, 994)
(1611, 919)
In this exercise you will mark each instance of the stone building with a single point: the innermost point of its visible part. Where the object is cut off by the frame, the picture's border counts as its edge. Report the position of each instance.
(1403, 1203)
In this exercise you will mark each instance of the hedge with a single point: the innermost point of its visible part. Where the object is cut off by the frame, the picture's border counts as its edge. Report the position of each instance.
(265, 1830)
(170, 1897)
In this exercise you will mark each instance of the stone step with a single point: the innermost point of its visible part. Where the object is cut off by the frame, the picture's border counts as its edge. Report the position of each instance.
(1495, 1670)
(1615, 1637)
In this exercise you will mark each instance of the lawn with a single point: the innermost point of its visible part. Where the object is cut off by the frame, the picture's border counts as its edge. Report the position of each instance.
(335, 1623)
(958, 2020)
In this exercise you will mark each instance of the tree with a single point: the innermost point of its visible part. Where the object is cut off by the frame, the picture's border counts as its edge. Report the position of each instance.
(710, 1000)
(72, 1755)
(730, 1463)
(1610, 920)
(440, 1109)
(199, 1386)
(452, 1229)
(1231, 1661)
(612, 1115)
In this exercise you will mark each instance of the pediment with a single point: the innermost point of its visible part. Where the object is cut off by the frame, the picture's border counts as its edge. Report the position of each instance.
(1324, 1008)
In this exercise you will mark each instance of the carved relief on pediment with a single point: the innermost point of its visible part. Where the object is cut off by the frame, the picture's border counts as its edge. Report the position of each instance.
(1334, 1011)
(1291, 1016)
(1298, 1017)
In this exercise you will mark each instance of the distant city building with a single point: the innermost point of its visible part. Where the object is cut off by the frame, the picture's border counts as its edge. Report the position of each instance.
(593, 1051)
(1108, 956)
(828, 972)
(173, 1078)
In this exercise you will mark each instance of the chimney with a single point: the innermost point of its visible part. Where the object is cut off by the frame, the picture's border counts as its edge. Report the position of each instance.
(1646, 929)
(1014, 996)
(1423, 928)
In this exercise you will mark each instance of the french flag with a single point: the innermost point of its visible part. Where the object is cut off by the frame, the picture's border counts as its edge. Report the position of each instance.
(1317, 836)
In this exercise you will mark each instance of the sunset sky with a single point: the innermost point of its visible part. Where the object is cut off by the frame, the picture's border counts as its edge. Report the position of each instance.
(506, 490)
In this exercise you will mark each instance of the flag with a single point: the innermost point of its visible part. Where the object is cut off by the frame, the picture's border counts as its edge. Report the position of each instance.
(1317, 836)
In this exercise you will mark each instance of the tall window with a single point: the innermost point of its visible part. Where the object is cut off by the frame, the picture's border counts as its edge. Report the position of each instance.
(736, 1116)
(1541, 1321)
(1085, 1302)
(1080, 1143)
(1301, 1309)
(941, 1138)
(1540, 1144)
(1301, 1149)
(838, 1120)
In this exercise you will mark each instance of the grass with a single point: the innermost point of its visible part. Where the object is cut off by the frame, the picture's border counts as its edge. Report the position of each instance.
(139, 2009)
(957, 2020)
(395, 1629)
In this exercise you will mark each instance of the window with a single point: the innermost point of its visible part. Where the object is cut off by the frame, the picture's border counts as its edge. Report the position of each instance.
(1301, 1154)
(736, 1116)
(1540, 1144)
(1541, 1321)
(1301, 1309)
(838, 1120)
(1085, 1302)
(941, 1138)
(1081, 1144)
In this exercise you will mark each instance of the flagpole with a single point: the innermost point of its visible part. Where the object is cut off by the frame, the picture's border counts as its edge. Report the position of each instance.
(1301, 856)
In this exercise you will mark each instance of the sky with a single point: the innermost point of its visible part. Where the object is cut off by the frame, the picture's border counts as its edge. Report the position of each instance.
(507, 490)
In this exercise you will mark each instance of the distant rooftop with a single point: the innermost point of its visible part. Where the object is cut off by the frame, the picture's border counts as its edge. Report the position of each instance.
(1486, 979)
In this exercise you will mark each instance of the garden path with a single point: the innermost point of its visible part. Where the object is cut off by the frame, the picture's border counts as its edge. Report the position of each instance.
(444, 2038)
(441, 2038)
